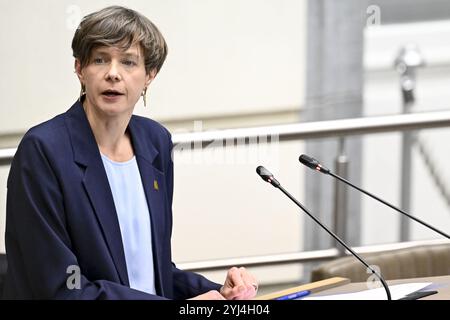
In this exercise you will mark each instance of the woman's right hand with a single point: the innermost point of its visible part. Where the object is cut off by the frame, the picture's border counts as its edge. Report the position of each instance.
(210, 295)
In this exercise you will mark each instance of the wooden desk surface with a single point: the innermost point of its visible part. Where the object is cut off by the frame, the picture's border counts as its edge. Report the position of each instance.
(442, 283)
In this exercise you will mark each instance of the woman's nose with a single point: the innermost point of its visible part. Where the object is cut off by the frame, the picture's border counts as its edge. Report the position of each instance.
(113, 73)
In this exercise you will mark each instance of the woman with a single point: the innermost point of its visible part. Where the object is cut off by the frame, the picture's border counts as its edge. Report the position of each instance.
(90, 191)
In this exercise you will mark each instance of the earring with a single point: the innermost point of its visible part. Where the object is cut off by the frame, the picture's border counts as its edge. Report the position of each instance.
(82, 92)
(144, 96)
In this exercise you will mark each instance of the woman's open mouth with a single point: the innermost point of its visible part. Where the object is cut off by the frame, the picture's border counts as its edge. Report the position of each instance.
(111, 95)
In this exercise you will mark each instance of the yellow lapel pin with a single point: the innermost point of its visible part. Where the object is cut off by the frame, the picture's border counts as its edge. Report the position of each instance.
(155, 185)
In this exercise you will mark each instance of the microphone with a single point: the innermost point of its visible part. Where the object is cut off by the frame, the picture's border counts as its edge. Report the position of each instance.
(268, 177)
(312, 163)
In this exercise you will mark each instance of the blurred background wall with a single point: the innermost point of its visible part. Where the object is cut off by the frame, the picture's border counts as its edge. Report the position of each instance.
(235, 64)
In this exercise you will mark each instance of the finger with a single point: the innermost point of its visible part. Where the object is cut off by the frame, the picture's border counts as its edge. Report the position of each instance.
(249, 293)
(249, 281)
(247, 278)
(251, 285)
(234, 286)
(236, 277)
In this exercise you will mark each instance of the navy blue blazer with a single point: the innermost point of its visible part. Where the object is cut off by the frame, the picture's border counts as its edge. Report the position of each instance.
(60, 213)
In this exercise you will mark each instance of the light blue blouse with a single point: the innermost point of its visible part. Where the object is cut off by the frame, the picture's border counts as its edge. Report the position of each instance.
(134, 220)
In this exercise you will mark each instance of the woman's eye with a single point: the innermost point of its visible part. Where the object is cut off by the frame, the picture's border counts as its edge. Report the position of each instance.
(129, 63)
(99, 60)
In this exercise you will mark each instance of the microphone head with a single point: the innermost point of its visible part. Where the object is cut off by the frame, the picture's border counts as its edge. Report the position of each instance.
(308, 161)
(267, 176)
(312, 163)
(264, 173)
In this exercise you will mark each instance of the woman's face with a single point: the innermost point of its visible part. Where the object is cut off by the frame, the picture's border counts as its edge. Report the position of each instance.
(114, 79)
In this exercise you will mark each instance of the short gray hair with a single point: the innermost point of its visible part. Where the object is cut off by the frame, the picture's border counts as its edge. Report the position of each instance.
(120, 27)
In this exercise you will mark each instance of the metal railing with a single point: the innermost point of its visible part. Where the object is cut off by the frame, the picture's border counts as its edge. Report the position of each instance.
(6, 156)
(322, 129)
(290, 132)
(297, 257)
(408, 60)
(305, 130)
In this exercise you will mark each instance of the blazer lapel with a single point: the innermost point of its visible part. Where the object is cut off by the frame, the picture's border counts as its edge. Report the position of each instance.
(95, 181)
(153, 182)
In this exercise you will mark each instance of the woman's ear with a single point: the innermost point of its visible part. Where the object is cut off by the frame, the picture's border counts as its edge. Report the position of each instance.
(77, 66)
(149, 77)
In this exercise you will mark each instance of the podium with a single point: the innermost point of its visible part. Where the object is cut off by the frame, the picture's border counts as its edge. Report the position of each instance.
(313, 287)
(338, 285)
